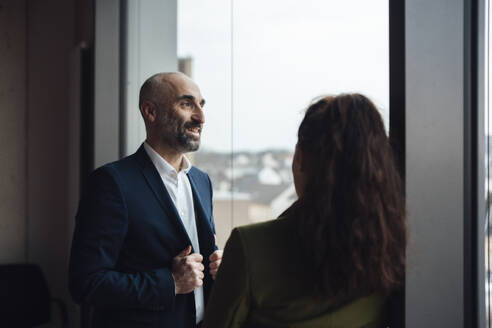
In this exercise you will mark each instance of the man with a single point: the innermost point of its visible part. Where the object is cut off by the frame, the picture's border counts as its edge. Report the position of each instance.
(143, 251)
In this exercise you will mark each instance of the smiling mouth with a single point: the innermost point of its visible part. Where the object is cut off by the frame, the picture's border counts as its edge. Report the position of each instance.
(195, 131)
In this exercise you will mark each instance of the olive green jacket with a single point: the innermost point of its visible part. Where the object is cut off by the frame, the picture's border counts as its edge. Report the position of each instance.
(263, 282)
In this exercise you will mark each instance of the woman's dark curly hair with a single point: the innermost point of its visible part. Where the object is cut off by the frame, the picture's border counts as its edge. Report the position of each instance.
(352, 211)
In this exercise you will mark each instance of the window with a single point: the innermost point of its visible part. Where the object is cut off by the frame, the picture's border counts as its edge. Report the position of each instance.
(259, 65)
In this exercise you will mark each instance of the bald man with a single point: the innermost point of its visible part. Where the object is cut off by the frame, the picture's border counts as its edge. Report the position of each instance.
(143, 251)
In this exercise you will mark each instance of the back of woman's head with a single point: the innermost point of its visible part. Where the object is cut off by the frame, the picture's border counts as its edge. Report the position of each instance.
(352, 212)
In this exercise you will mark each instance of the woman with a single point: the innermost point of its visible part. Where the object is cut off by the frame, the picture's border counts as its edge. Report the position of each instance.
(331, 259)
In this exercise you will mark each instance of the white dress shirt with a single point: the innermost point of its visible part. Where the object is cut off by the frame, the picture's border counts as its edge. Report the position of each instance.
(179, 188)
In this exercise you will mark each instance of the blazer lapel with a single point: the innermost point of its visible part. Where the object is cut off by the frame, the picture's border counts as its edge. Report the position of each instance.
(202, 219)
(160, 192)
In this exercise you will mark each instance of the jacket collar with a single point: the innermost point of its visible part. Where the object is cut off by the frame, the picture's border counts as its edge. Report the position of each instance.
(155, 182)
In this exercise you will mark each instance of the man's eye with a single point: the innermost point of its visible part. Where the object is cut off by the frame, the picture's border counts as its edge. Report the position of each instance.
(186, 104)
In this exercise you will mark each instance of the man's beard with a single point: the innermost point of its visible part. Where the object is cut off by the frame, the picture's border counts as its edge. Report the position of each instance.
(174, 133)
(187, 142)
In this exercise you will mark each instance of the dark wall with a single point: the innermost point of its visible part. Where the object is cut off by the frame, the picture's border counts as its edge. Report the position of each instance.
(38, 112)
(13, 131)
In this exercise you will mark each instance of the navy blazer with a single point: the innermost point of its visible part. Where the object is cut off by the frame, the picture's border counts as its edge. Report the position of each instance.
(126, 235)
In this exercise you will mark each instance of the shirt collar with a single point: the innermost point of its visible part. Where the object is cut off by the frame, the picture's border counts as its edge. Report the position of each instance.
(162, 166)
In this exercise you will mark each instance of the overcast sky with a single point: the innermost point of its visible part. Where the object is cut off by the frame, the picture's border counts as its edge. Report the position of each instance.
(273, 57)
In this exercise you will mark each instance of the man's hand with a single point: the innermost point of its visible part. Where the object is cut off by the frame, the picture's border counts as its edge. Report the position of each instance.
(215, 260)
(187, 271)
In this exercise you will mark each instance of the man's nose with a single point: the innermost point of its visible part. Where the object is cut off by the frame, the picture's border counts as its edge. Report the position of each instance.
(198, 114)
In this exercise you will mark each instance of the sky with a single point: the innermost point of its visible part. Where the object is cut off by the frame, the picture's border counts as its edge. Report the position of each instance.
(259, 64)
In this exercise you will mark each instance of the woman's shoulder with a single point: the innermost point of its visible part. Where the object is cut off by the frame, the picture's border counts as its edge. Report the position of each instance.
(270, 228)
(276, 236)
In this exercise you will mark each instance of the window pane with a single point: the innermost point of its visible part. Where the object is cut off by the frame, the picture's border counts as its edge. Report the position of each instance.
(259, 64)
(285, 56)
(204, 52)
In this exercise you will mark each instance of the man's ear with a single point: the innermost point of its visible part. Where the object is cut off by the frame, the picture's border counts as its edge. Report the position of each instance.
(149, 111)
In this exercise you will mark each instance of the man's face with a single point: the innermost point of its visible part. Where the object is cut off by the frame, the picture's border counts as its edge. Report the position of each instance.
(181, 120)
